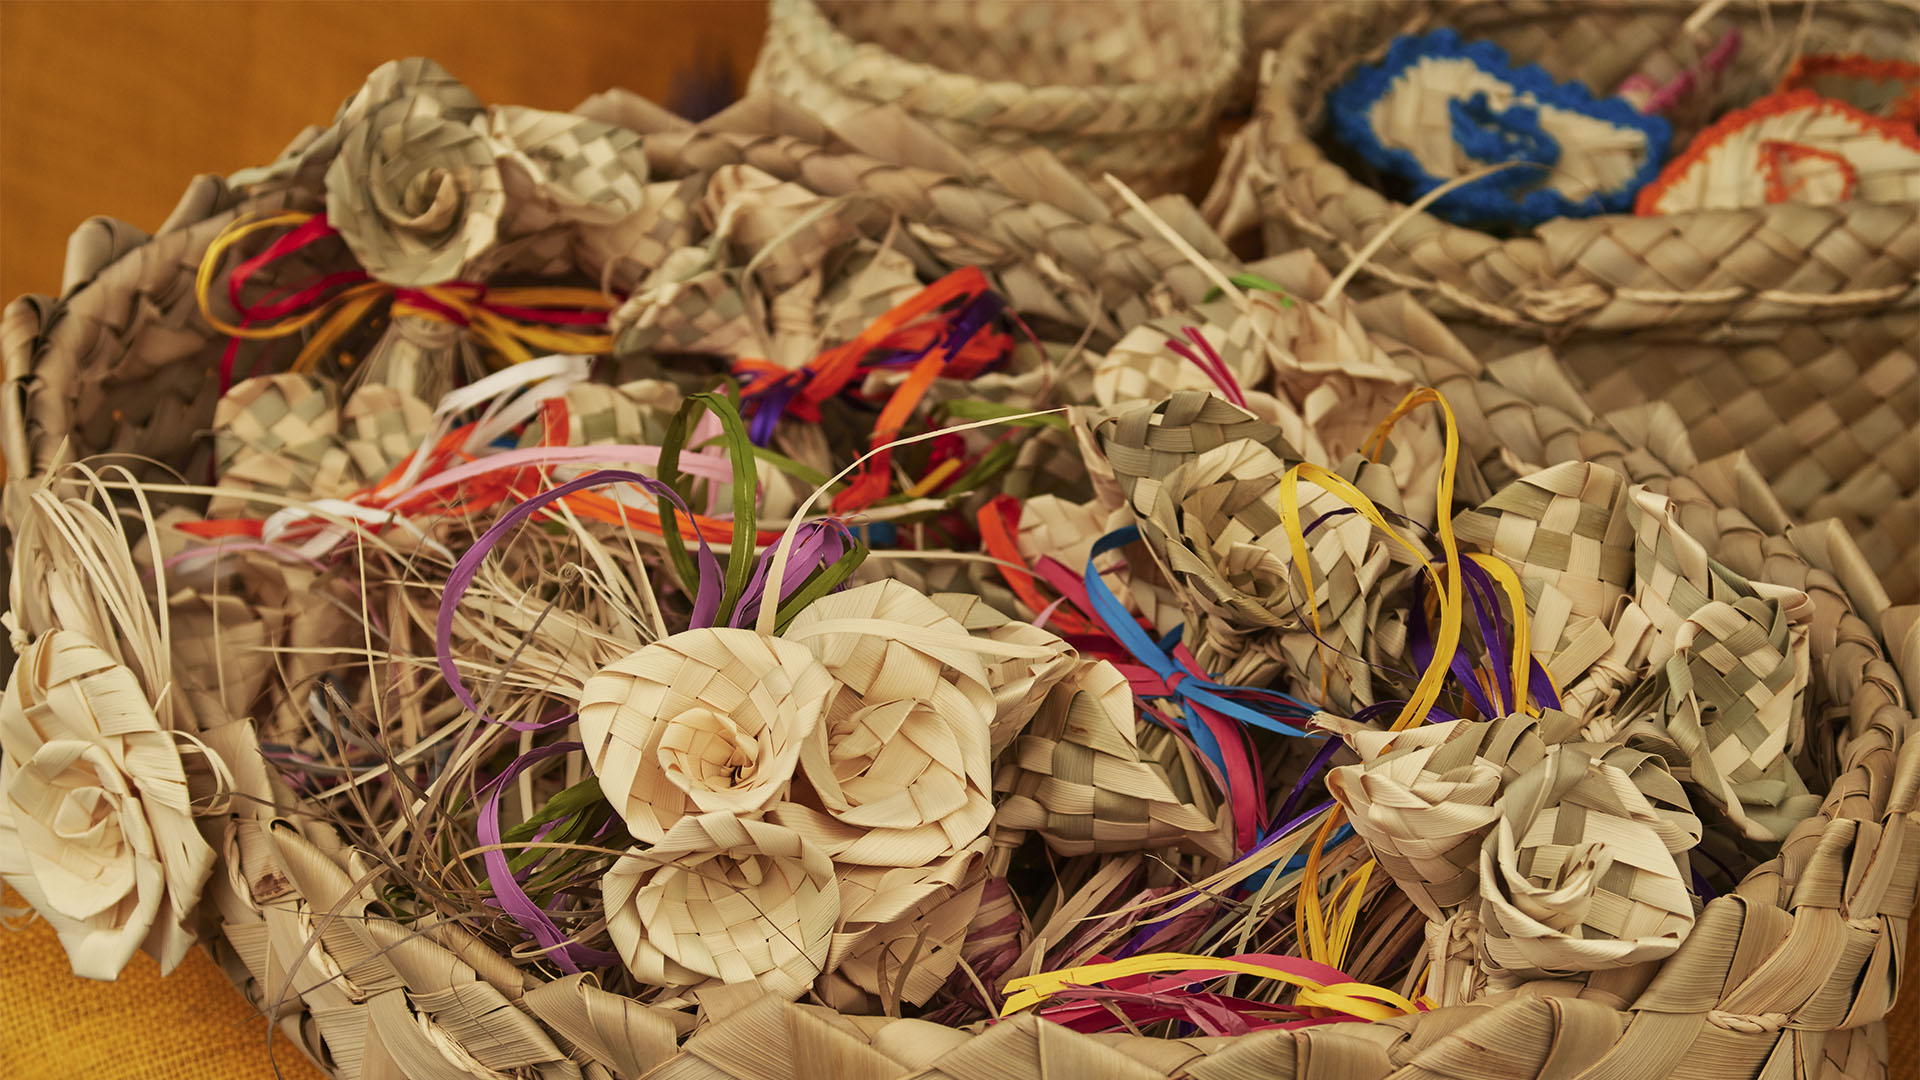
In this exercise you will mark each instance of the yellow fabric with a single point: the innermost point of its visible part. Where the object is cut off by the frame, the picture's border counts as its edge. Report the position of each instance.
(192, 1025)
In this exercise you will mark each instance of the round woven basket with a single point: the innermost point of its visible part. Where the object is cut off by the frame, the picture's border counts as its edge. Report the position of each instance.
(1784, 330)
(1790, 975)
(1132, 88)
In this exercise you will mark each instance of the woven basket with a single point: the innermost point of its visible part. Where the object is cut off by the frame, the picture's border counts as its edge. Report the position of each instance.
(1132, 88)
(1789, 976)
(1786, 331)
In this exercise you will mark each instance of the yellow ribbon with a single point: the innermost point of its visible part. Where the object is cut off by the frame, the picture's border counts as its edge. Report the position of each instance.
(1447, 639)
(1353, 998)
(508, 338)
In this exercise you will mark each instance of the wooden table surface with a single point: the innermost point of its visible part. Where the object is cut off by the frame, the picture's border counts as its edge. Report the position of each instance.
(110, 106)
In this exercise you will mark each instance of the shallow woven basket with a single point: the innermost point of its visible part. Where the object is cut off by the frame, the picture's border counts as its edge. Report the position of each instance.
(1786, 330)
(1791, 976)
(1131, 87)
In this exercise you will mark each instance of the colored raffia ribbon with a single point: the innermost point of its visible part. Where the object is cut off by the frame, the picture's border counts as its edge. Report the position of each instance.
(510, 320)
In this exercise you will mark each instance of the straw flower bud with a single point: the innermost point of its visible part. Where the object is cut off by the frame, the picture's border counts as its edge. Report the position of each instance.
(96, 826)
(898, 772)
(724, 899)
(901, 927)
(415, 189)
(705, 721)
(1582, 871)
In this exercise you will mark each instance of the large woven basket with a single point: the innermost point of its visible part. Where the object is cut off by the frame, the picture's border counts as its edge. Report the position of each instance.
(1790, 976)
(1132, 87)
(1786, 330)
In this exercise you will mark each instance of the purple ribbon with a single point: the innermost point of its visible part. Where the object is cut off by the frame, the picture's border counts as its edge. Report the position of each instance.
(815, 544)
(706, 604)
(571, 956)
(770, 404)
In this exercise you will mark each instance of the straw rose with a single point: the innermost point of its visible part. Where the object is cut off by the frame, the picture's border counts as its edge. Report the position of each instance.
(898, 772)
(415, 189)
(724, 899)
(1582, 871)
(705, 721)
(96, 828)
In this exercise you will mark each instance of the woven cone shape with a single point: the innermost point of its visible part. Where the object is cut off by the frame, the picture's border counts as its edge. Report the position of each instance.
(1565, 531)
(704, 721)
(900, 763)
(1733, 656)
(96, 828)
(1079, 778)
(724, 899)
(288, 435)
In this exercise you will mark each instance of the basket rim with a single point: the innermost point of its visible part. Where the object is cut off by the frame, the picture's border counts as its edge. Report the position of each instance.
(793, 21)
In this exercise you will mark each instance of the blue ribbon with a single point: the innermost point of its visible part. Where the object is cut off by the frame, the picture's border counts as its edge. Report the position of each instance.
(1192, 691)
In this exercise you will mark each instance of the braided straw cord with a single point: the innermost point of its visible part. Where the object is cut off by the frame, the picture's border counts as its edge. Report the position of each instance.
(1790, 974)
(1131, 87)
(1785, 330)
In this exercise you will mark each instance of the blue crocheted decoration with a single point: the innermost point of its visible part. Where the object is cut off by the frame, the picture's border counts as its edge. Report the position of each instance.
(1513, 196)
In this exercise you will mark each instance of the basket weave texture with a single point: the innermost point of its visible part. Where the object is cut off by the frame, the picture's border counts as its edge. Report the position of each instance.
(1790, 975)
(1132, 87)
(1785, 330)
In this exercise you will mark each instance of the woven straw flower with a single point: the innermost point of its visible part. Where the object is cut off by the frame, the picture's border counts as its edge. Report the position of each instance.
(1203, 478)
(724, 899)
(899, 771)
(96, 826)
(1020, 683)
(1424, 800)
(1582, 872)
(415, 188)
(1081, 780)
(901, 927)
(705, 721)
(1733, 659)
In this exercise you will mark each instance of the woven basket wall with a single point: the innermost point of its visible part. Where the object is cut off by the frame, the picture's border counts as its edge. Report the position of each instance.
(1791, 976)
(1131, 87)
(1786, 330)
